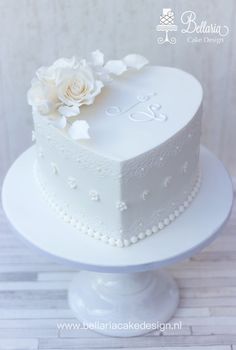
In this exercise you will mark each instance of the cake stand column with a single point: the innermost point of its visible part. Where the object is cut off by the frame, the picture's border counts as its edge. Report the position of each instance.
(118, 304)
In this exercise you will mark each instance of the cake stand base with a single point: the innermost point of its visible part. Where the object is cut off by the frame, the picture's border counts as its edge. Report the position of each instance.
(118, 294)
(123, 304)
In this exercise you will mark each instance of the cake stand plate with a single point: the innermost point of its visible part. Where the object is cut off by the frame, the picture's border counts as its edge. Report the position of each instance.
(118, 293)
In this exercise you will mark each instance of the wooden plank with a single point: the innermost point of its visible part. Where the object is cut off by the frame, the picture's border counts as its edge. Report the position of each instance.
(205, 292)
(49, 299)
(20, 250)
(28, 333)
(34, 267)
(215, 347)
(18, 344)
(18, 276)
(57, 276)
(20, 314)
(222, 247)
(206, 282)
(136, 342)
(40, 323)
(207, 321)
(184, 330)
(23, 259)
(204, 273)
(25, 285)
(213, 329)
(192, 312)
(33, 295)
(201, 265)
(207, 302)
(223, 311)
(215, 256)
(37, 304)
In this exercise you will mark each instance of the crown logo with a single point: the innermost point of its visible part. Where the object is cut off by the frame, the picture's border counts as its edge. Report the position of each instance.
(166, 25)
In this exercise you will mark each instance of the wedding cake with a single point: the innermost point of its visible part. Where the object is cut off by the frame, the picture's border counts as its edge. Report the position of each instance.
(117, 144)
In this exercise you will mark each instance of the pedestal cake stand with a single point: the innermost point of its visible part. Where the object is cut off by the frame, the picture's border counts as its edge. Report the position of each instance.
(121, 291)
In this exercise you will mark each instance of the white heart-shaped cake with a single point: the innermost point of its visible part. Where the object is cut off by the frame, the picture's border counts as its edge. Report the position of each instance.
(137, 167)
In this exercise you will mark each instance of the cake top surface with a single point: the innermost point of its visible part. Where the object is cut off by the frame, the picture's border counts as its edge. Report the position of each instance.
(140, 110)
(116, 109)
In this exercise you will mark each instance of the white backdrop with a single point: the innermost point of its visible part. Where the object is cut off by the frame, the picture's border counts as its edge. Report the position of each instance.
(34, 33)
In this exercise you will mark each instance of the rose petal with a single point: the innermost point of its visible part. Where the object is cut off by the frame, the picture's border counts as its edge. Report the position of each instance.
(65, 63)
(79, 130)
(116, 67)
(99, 85)
(59, 122)
(102, 74)
(97, 58)
(44, 107)
(69, 111)
(135, 61)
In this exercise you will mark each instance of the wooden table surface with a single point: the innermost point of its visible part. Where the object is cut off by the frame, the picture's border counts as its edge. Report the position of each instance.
(33, 300)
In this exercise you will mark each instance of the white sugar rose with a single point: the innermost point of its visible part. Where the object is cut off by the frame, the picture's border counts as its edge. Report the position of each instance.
(60, 90)
(63, 87)
(76, 86)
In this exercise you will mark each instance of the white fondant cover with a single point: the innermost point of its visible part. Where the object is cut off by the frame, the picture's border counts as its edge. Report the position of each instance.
(136, 172)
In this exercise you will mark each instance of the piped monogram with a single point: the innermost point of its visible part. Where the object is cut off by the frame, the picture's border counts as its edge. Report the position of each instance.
(152, 113)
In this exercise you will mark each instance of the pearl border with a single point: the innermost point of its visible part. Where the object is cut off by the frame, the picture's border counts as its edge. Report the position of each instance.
(121, 242)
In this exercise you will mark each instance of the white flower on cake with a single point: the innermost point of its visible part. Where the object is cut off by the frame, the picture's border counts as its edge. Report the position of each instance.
(167, 181)
(94, 196)
(185, 167)
(54, 168)
(59, 91)
(121, 206)
(40, 152)
(77, 86)
(33, 136)
(145, 194)
(71, 181)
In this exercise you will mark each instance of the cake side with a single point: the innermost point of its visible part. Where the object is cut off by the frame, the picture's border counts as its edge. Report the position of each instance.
(160, 184)
(84, 187)
(132, 167)
(119, 203)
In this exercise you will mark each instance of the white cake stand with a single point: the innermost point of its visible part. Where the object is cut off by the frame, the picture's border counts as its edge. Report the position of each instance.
(120, 295)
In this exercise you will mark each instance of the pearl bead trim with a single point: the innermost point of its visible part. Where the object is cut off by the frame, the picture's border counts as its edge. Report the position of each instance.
(111, 240)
